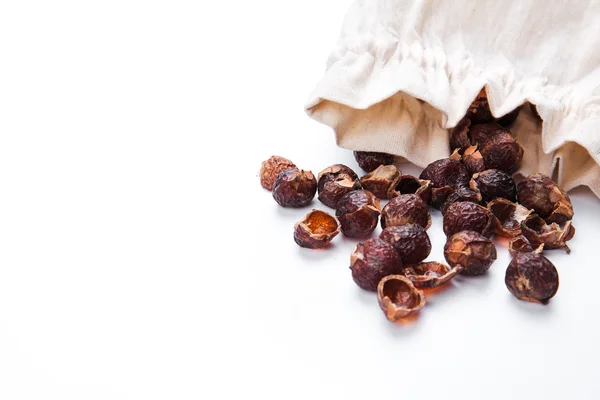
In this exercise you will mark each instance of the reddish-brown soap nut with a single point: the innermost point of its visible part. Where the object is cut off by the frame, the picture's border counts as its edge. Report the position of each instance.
(411, 241)
(405, 209)
(370, 160)
(381, 181)
(539, 193)
(334, 182)
(408, 184)
(294, 188)
(316, 230)
(373, 260)
(521, 245)
(497, 147)
(446, 176)
(479, 111)
(459, 135)
(552, 236)
(470, 250)
(272, 167)
(462, 194)
(358, 212)
(494, 184)
(467, 216)
(430, 274)
(532, 277)
(473, 160)
(398, 297)
(508, 217)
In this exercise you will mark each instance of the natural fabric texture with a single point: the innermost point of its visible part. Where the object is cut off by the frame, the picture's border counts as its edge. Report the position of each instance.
(403, 71)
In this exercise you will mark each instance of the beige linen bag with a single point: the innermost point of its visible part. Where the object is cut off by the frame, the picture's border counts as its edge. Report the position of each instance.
(403, 71)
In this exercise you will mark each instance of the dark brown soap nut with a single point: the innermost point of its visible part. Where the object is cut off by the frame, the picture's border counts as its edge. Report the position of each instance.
(294, 188)
(521, 245)
(405, 209)
(316, 230)
(430, 274)
(542, 195)
(358, 212)
(470, 250)
(473, 160)
(381, 181)
(497, 147)
(446, 176)
(370, 160)
(272, 167)
(373, 260)
(459, 135)
(334, 182)
(479, 111)
(532, 277)
(462, 194)
(552, 236)
(509, 118)
(508, 217)
(493, 184)
(468, 216)
(411, 241)
(398, 297)
(408, 184)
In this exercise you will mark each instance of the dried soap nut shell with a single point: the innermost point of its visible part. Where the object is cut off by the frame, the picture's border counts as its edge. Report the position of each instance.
(539, 193)
(470, 250)
(494, 184)
(430, 274)
(316, 230)
(446, 176)
(398, 297)
(411, 242)
(294, 188)
(408, 184)
(468, 216)
(358, 212)
(381, 181)
(370, 160)
(334, 182)
(459, 135)
(508, 217)
(373, 260)
(462, 194)
(272, 167)
(532, 277)
(479, 111)
(473, 160)
(552, 236)
(405, 209)
(521, 245)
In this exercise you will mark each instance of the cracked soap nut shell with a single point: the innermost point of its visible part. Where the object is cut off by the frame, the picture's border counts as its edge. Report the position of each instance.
(470, 250)
(411, 242)
(539, 193)
(358, 212)
(446, 176)
(467, 216)
(373, 260)
(552, 236)
(508, 217)
(398, 297)
(272, 167)
(462, 194)
(334, 182)
(532, 277)
(521, 245)
(381, 181)
(408, 184)
(430, 274)
(316, 230)
(494, 184)
(294, 188)
(404, 210)
(370, 160)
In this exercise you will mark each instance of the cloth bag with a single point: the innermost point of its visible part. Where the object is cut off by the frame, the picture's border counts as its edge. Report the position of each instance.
(404, 71)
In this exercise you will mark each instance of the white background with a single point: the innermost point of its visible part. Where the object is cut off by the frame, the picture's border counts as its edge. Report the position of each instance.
(141, 259)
